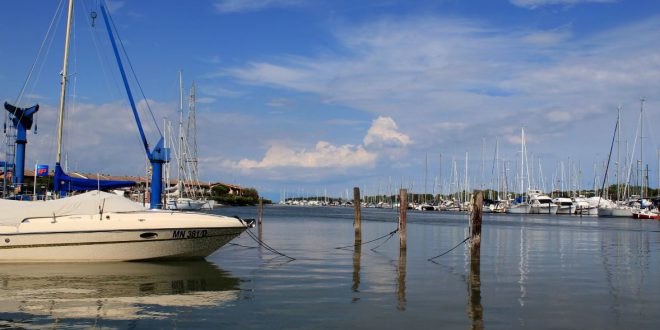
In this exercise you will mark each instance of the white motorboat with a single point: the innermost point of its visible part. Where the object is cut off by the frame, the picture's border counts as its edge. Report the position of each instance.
(565, 205)
(540, 203)
(520, 208)
(98, 226)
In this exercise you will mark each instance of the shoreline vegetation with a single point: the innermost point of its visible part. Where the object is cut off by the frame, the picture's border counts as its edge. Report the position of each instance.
(248, 197)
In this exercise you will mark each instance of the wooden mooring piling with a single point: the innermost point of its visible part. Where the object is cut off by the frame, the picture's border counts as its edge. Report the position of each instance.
(403, 213)
(357, 223)
(475, 309)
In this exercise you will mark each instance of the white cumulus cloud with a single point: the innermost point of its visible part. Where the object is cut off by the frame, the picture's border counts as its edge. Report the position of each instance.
(384, 132)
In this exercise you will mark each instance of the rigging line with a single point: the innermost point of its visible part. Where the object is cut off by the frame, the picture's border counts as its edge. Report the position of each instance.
(54, 22)
(373, 240)
(130, 65)
(632, 154)
(43, 43)
(602, 188)
(103, 62)
(452, 249)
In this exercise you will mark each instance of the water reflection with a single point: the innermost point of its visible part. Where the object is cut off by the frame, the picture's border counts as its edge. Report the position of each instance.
(357, 254)
(401, 281)
(474, 308)
(113, 291)
(626, 259)
(523, 266)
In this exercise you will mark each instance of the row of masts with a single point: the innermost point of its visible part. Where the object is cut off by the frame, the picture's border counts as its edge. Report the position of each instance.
(566, 181)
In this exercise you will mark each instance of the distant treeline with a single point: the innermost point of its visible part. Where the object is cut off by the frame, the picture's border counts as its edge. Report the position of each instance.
(248, 196)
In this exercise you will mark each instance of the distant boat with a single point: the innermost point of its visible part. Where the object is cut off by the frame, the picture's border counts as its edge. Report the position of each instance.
(646, 214)
(540, 203)
(565, 205)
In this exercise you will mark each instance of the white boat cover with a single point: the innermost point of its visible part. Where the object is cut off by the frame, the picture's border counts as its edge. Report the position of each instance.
(13, 212)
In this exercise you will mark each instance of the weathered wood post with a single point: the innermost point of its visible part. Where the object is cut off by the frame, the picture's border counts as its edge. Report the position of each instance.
(475, 219)
(357, 223)
(475, 309)
(403, 211)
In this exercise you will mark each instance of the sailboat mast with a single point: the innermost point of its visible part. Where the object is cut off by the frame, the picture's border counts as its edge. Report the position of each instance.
(641, 149)
(191, 133)
(618, 155)
(465, 188)
(426, 171)
(65, 66)
(180, 147)
(522, 162)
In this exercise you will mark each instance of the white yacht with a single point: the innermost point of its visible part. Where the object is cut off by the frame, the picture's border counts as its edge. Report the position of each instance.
(540, 203)
(565, 205)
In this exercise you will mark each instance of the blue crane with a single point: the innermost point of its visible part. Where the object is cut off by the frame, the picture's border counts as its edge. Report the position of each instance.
(22, 119)
(159, 155)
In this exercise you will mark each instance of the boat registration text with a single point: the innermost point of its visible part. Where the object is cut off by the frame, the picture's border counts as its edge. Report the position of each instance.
(189, 233)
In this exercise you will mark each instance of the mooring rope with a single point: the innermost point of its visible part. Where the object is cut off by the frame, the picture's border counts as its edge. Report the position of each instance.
(390, 234)
(268, 247)
(388, 238)
(243, 246)
(452, 249)
(259, 241)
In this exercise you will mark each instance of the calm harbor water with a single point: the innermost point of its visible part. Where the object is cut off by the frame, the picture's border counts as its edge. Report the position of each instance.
(541, 272)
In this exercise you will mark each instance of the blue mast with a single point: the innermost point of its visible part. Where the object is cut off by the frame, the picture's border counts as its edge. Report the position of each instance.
(159, 155)
(22, 120)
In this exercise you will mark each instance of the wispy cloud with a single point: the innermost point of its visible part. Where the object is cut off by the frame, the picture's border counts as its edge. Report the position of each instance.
(279, 102)
(219, 91)
(241, 6)
(424, 72)
(532, 4)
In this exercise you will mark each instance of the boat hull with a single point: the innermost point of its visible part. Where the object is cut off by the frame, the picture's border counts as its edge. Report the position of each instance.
(565, 209)
(591, 210)
(132, 236)
(543, 209)
(164, 244)
(615, 212)
(518, 209)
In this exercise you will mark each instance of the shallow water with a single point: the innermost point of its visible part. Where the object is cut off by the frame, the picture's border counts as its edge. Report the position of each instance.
(541, 272)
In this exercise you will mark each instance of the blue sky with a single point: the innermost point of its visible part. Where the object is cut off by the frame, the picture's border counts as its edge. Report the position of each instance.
(315, 95)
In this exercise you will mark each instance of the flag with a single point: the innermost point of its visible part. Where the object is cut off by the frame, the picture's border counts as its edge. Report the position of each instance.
(42, 170)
